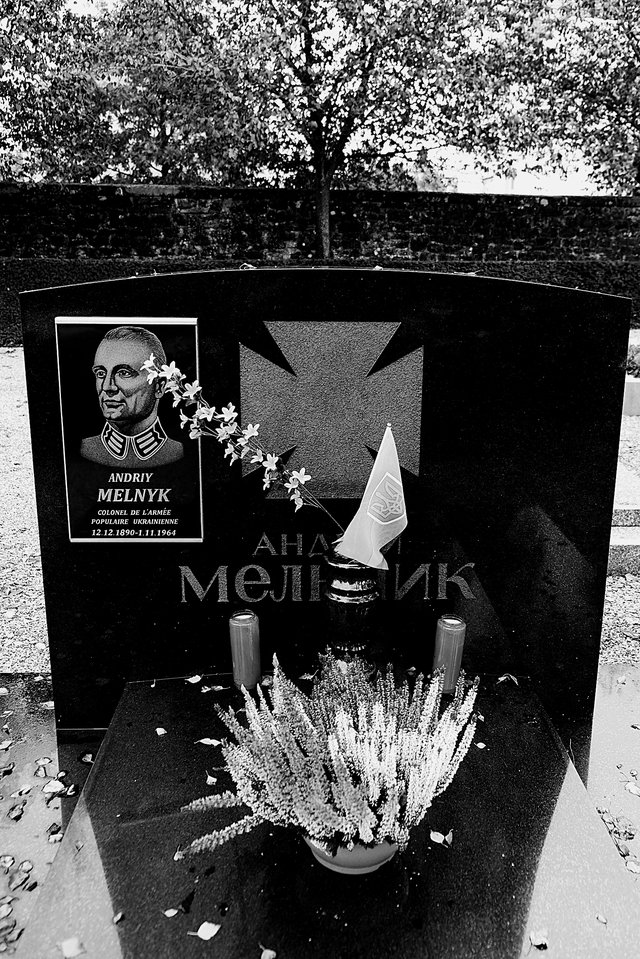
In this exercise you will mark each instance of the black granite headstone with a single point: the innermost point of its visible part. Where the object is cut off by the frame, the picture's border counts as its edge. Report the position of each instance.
(505, 400)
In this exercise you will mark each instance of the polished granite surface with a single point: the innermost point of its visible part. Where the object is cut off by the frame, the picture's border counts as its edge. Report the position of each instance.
(505, 399)
(529, 855)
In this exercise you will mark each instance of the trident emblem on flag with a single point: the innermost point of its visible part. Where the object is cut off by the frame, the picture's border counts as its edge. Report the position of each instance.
(387, 500)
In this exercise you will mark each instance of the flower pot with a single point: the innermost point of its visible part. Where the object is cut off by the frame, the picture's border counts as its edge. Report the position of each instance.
(351, 598)
(356, 861)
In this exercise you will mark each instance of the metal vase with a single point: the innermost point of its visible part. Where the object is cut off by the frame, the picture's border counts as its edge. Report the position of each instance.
(351, 598)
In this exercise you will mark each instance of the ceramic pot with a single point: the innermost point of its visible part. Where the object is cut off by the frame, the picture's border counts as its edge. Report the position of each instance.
(356, 861)
(351, 600)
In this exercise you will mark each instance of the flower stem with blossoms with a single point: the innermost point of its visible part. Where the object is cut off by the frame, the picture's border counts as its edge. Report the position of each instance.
(240, 442)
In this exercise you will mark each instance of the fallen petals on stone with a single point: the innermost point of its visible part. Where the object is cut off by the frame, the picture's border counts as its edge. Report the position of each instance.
(621, 680)
(6, 862)
(7, 770)
(441, 839)
(43, 761)
(633, 788)
(211, 779)
(601, 919)
(539, 939)
(513, 680)
(206, 931)
(161, 731)
(632, 864)
(267, 953)
(48, 705)
(87, 758)
(193, 679)
(119, 916)
(170, 913)
(481, 745)
(6, 744)
(23, 791)
(209, 742)
(70, 948)
(5, 910)
(26, 865)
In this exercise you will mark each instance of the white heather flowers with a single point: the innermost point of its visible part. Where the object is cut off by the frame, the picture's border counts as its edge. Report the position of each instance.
(358, 761)
(224, 426)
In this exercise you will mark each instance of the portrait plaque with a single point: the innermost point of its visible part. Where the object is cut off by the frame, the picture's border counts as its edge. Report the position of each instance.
(131, 473)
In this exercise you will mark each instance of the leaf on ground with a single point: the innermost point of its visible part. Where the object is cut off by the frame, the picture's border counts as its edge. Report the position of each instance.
(193, 679)
(267, 953)
(23, 791)
(211, 779)
(170, 913)
(18, 879)
(266, 681)
(5, 910)
(539, 939)
(72, 947)
(87, 758)
(621, 680)
(508, 676)
(602, 919)
(161, 731)
(206, 931)
(17, 811)
(208, 742)
(43, 761)
(6, 744)
(307, 676)
(481, 745)
(119, 916)
(633, 788)
(632, 864)
(6, 862)
(54, 787)
(26, 865)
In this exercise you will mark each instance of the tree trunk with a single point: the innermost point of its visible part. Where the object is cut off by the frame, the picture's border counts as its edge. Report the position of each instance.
(323, 216)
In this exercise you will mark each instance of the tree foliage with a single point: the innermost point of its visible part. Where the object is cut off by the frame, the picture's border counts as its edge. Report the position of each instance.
(302, 92)
(52, 114)
(586, 95)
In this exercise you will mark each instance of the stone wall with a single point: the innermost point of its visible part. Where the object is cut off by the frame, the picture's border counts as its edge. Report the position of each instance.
(53, 234)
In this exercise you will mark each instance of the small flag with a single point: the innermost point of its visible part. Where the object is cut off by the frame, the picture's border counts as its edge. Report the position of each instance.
(382, 514)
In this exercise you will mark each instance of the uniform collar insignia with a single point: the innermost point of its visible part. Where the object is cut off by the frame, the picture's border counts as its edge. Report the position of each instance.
(143, 445)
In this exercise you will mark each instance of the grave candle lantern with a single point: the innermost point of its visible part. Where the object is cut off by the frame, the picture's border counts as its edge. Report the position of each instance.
(244, 633)
(450, 632)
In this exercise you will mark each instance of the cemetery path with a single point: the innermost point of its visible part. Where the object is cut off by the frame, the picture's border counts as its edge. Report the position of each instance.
(23, 633)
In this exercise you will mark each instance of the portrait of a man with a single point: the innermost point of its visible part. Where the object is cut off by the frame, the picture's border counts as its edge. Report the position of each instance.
(132, 435)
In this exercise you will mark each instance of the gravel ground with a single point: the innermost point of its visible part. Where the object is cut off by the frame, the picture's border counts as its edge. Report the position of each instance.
(23, 632)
